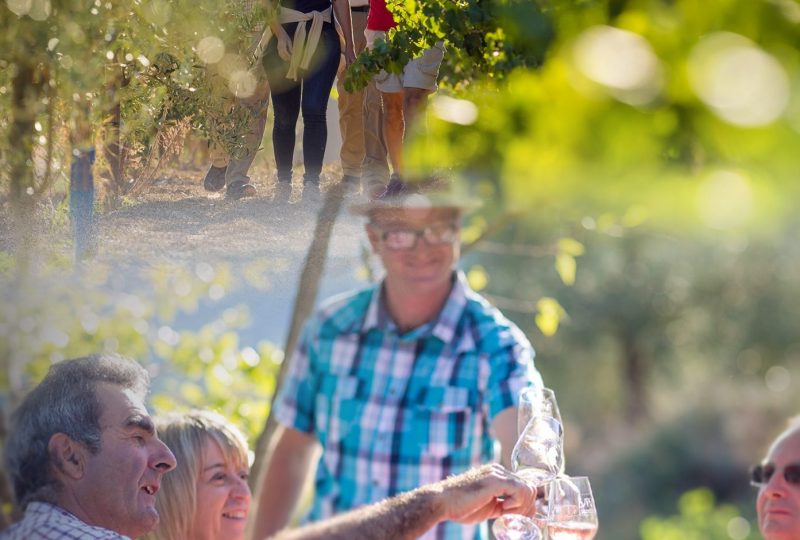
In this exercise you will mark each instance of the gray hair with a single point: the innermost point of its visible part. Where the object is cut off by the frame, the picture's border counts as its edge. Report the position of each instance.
(64, 402)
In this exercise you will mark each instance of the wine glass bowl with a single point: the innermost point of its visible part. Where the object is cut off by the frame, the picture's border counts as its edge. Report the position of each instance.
(571, 511)
(516, 527)
(533, 401)
(540, 447)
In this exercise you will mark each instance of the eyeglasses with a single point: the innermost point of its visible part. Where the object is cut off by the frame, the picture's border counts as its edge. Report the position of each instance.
(761, 474)
(435, 235)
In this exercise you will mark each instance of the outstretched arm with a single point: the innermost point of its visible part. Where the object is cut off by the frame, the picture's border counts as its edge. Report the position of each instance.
(471, 497)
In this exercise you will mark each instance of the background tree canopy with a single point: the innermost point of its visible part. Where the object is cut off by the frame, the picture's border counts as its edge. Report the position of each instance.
(637, 160)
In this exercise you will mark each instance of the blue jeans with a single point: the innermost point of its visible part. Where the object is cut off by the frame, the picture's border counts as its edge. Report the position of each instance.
(310, 94)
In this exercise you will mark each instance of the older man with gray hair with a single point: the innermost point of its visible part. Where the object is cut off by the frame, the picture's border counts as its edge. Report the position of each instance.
(83, 454)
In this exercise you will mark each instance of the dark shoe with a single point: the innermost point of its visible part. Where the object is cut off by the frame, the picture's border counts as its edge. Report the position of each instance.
(395, 188)
(215, 178)
(239, 190)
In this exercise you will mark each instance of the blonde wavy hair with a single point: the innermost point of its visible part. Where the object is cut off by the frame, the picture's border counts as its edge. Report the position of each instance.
(186, 434)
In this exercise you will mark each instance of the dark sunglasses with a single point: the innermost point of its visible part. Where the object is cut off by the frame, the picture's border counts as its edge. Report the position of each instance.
(761, 474)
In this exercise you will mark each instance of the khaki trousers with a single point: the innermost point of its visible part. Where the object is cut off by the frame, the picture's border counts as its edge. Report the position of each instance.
(363, 151)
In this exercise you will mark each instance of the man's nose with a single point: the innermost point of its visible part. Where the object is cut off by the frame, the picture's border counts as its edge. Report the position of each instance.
(163, 459)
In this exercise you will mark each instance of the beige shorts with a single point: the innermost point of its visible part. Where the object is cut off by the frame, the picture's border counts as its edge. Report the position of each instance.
(421, 72)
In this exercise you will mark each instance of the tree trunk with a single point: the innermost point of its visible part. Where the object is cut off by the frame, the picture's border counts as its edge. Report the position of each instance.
(112, 145)
(303, 306)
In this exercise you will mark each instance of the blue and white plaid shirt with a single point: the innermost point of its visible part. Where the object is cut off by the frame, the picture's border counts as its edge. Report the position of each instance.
(43, 521)
(396, 411)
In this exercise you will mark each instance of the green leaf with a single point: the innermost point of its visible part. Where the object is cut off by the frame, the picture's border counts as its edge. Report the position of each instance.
(549, 315)
(477, 278)
(566, 268)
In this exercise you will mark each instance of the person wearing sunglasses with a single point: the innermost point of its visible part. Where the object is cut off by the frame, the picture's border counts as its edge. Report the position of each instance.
(404, 383)
(778, 480)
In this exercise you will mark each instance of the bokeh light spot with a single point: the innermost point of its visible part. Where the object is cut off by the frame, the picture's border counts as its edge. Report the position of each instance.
(455, 111)
(778, 379)
(741, 83)
(620, 60)
(210, 49)
(738, 528)
(725, 200)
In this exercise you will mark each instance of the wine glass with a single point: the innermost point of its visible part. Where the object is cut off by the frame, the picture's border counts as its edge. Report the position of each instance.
(537, 458)
(533, 401)
(571, 512)
(516, 527)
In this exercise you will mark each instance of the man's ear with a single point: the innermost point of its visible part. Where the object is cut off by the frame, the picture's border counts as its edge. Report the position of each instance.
(68, 456)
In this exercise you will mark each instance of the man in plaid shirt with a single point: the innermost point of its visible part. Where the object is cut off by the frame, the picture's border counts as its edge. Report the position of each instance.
(401, 384)
(83, 454)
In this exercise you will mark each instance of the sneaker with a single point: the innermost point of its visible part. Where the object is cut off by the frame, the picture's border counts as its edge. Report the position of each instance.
(394, 188)
(215, 178)
(239, 190)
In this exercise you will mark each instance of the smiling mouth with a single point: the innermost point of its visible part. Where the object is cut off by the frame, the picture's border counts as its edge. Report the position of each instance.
(235, 514)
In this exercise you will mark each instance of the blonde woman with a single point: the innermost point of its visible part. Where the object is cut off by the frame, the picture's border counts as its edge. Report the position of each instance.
(206, 497)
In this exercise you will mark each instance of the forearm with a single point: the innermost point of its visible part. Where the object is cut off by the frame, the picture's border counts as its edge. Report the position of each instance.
(341, 9)
(404, 517)
(282, 482)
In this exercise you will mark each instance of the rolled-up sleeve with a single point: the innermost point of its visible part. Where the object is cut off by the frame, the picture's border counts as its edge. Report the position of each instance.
(511, 368)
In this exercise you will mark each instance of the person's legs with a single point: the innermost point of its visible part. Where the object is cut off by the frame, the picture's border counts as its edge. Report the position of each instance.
(375, 167)
(394, 128)
(351, 108)
(317, 86)
(257, 104)
(414, 102)
(285, 106)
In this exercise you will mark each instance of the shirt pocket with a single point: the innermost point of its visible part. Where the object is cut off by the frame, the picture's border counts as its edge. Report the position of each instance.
(442, 420)
(338, 401)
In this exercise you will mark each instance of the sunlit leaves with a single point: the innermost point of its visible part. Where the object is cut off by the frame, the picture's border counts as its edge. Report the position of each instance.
(549, 314)
(477, 278)
(567, 250)
(700, 517)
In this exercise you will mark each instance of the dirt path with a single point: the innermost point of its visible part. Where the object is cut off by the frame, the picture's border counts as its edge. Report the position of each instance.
(178, 221)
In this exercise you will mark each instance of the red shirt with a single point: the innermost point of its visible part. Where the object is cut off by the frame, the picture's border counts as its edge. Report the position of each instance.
(379, 17)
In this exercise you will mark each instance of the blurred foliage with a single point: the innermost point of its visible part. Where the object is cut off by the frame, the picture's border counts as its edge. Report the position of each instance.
(44, 320)
(69, 63)
(648, 160)
(640, 111)
(700, 519)
(483, 38)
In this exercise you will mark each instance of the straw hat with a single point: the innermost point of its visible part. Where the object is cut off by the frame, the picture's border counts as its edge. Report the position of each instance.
(434, 192)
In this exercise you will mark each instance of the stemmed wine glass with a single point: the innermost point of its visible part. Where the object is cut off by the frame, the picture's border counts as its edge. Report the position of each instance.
(571, 512)
(538, 458)
(533, 401)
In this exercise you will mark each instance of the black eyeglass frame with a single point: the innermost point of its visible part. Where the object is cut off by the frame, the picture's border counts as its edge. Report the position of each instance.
(761, 474)
(452, 226)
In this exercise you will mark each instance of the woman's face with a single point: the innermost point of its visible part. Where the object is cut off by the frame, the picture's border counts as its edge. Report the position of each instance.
(223, 497)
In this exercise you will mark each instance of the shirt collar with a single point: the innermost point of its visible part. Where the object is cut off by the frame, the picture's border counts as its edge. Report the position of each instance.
(442, 327)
